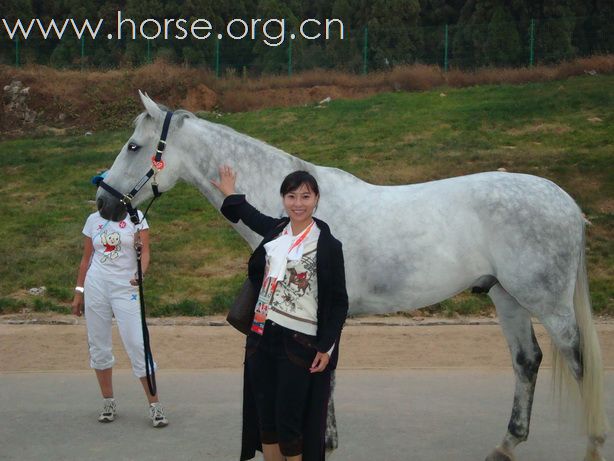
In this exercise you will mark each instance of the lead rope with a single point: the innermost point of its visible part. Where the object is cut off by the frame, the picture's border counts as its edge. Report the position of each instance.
(149, 362)
(150, 371)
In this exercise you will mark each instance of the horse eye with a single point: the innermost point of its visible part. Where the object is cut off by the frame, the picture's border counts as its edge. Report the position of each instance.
(132, 147)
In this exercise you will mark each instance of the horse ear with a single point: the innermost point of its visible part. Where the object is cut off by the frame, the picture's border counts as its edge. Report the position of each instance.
(150, 106)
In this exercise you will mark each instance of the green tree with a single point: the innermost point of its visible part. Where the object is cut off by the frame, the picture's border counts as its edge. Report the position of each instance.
(502, 46)
(197, 51)
(344, 54)
(594, 28)
(555, 26)
(237, 54)
(434, 16)
(480, 32)
(274, 59)
(138, 48)
(394, 37)
(13, 10)
(489, 32)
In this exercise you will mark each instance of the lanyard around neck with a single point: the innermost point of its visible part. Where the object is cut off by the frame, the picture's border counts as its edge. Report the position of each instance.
(301, 236)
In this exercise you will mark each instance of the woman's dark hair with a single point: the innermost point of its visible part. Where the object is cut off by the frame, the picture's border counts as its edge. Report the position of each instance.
(295, 180)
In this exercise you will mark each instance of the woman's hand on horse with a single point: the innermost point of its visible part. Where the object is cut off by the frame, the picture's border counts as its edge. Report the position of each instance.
(320, 362)
(77, 304)
(226, 184)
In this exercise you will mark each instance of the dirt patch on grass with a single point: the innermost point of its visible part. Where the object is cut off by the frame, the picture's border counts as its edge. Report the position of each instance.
(606, 205)
(246, 99)
(226, 267)
(553, 128)
(200, 97)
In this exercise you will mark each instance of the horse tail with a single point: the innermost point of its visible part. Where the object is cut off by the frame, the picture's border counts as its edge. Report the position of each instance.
(591, 383)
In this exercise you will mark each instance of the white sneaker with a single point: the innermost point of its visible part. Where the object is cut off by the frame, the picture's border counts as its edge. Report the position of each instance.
(157, 416)
(108, 411)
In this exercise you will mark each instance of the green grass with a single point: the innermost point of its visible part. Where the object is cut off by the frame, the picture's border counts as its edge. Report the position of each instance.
(562, 130)
(47, 305)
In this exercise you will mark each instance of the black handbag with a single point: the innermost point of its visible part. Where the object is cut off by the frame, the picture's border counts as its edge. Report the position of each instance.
(241, 313)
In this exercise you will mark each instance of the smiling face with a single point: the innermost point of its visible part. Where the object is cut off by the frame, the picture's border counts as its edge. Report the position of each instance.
(300, 204)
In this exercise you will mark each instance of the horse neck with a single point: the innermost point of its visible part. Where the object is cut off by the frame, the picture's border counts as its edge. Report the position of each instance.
(260, 168)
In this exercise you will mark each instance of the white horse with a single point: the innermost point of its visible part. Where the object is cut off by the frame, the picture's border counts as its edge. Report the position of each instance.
(517, 237)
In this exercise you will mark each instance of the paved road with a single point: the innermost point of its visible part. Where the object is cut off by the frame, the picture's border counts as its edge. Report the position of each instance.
(422, 415)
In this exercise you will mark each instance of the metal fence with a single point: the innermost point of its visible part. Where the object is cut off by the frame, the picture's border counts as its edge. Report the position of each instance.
(362, 50)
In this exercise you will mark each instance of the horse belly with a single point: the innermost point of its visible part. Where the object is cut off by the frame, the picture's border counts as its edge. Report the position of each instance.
(409, 264)
(411, 246)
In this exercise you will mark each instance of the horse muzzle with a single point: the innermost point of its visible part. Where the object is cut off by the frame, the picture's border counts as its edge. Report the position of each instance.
(110, 207)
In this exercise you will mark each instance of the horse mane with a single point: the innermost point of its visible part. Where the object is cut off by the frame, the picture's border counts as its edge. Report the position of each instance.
(179, 112)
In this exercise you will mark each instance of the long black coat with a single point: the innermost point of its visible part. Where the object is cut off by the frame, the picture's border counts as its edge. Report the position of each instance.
(332, 311)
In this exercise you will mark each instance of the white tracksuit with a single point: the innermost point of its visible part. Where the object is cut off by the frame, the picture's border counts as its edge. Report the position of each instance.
(108, 293)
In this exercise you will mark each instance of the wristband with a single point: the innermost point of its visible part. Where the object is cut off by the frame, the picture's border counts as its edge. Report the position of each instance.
(79, 289)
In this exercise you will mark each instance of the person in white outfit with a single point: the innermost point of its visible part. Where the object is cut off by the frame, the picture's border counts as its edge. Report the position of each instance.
(107, 286)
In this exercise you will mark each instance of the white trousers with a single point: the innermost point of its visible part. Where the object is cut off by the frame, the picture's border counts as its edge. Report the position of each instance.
(103, 300)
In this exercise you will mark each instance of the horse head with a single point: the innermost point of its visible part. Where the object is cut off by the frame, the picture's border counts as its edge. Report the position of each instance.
(137, 157)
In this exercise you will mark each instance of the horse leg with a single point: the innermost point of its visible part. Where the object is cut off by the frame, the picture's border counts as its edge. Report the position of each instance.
(331, 439)
(515, 321)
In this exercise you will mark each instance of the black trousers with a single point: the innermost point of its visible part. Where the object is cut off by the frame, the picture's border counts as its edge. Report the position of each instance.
(278, 365)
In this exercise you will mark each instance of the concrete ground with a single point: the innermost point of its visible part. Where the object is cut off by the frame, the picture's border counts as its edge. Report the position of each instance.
(416, 414)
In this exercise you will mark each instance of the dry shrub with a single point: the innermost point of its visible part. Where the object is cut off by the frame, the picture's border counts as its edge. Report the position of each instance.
(314, 77)
(242, 99)
(321, 77)
(598, 64)
(414, 77)
(168, 82)
(103, 99)
(601, 64)
(418, 77)
(201, 97)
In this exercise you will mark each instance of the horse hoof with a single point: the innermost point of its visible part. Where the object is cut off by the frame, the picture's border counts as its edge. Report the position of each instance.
(499, 455)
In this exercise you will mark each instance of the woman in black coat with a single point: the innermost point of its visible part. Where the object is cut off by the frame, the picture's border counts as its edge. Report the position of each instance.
(294, 342)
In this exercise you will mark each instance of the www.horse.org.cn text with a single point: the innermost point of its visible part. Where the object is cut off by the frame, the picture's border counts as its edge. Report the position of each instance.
(272, 32)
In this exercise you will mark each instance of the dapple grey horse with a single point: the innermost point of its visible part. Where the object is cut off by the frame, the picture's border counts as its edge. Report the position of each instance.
(520, 238)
